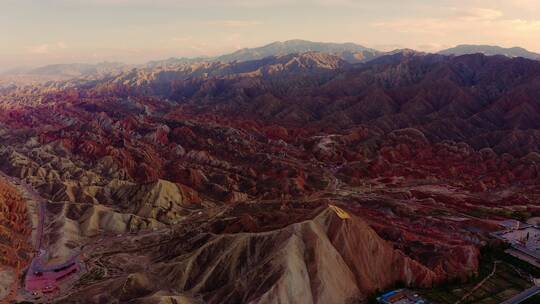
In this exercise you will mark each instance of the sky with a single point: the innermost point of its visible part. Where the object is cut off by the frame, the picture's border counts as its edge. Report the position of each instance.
(39, 32)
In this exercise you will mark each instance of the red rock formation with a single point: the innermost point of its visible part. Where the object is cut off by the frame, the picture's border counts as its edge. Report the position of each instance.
(410, 144)
(15, 230)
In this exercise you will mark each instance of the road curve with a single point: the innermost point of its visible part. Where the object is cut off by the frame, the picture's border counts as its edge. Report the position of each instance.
(43, 280)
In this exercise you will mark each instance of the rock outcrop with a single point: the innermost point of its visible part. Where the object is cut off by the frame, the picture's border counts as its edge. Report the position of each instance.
(15, 243)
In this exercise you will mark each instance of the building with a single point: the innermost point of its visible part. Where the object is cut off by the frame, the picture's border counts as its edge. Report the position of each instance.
(523, 238)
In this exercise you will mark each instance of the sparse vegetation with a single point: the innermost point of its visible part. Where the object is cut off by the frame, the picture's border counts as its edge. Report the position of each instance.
(485, 212)
(93, 275)
(509, 278)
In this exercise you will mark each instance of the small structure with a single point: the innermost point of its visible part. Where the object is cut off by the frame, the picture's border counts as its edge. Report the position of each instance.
(401, 296)
(41, 281)
(523, 237)
(511, 224)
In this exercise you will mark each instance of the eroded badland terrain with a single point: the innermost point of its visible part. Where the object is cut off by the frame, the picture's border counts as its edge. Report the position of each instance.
(290, 179)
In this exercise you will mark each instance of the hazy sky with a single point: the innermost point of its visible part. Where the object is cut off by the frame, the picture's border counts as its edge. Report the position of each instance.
(36, 32)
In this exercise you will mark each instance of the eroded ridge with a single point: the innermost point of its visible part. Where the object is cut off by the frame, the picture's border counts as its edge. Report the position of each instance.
(15, 232)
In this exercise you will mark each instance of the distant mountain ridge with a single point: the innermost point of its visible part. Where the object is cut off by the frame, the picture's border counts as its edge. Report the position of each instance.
(490, 50)
(70, 69)
(59, 72)
(350, 52)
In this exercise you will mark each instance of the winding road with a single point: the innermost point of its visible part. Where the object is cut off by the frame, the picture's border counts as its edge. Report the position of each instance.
(40, 280)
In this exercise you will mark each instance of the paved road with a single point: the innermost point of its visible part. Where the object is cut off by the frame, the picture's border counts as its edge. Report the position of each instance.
(43, 279)
(523, 296)
(522, 256)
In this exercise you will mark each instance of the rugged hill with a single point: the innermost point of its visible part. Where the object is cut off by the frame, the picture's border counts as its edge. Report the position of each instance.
(490, 50)
(349, 52)
(330, 257)
(218, 181)
(484, 101)
(15, 230)
(152, 81)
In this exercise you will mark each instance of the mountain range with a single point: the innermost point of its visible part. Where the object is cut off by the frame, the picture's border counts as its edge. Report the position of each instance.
(350, 52)
(292, 178)
(491, 50)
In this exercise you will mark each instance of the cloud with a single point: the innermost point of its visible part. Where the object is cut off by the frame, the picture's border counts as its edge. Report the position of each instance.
(39, 49)
(182, 39)
(46, 48)
(459, 19)
(527, 4)
(216, 3)
(432, 47)
(413, 25)
(61, 45)
(525, 25)
(388, 46)
(479, 14)
(170, 3)
(472, 25)
(234, 23)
